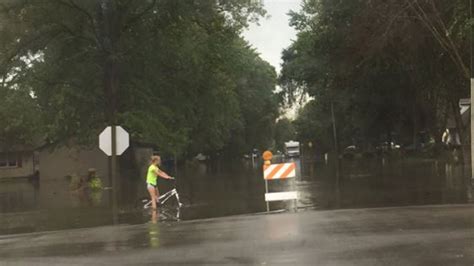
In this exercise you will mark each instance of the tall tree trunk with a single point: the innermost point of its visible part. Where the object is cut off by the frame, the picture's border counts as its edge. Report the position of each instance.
(465, 150)
(415, 122)
(461, 130)
(109, 28)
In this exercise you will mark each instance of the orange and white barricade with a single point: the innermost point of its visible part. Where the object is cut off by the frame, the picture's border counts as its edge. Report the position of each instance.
(279, 171)
(275, 172)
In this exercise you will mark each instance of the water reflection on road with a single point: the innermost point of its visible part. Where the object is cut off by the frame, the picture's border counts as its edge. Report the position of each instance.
(372, 184)
(230, 190)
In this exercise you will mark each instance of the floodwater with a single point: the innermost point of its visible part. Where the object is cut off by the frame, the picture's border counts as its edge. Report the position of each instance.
(232, 189)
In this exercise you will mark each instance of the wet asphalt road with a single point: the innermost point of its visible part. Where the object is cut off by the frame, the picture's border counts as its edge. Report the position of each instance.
(428, 235)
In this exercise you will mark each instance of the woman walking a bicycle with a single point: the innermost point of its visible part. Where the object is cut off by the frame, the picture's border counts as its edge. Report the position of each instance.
(152, 179)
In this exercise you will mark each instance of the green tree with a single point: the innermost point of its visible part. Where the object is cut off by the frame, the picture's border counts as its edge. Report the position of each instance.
(176, 73)
(380, 66)
(285, 131)
(20, 120)
(256, 81)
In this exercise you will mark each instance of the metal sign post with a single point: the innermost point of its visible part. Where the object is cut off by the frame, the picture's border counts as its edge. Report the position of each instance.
(113, 141)
(114, 174)
(266, 192)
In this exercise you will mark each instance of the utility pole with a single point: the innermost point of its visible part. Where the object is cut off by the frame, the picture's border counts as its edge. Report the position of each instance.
(108, 38)
(338, 162)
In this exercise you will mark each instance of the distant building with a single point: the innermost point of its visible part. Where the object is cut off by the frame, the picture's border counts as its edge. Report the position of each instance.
(19, 161)
(451, 134)
(69, 159)
(465, 110)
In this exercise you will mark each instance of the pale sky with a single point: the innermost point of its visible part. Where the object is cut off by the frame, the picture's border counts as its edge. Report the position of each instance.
(274, 34)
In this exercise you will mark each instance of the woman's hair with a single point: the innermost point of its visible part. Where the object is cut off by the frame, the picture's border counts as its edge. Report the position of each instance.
(154, 159)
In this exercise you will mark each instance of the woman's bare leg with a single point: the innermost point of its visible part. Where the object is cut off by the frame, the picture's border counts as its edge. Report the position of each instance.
(153, 197)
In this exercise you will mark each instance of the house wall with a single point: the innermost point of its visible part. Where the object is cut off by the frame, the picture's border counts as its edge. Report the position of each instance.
(56, 165)
(26, 169)
(66, 161)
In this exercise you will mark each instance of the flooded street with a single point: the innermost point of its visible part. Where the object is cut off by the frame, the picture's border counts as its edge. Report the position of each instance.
(255, 132)
(207, 192)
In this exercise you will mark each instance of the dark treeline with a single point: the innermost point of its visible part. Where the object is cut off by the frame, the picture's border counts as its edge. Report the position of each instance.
(392, 69)
(174, 73)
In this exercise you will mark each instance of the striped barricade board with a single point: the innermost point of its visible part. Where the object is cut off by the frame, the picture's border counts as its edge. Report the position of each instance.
(279, 171)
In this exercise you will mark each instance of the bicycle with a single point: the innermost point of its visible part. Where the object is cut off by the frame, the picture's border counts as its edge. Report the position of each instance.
(164, 198)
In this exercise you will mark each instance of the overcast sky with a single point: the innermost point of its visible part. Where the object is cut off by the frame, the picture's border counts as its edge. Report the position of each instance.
(274, 34)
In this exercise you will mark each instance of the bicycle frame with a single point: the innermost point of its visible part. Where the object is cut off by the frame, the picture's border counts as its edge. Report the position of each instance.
(167, 214)
(165, 197)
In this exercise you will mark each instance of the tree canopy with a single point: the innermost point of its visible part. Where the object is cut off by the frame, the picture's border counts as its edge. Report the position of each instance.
(391, 68)
(174, 73)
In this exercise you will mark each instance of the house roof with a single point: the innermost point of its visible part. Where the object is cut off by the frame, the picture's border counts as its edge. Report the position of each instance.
(465, 101)
(16, 148)
(465, 110)
(31, 146)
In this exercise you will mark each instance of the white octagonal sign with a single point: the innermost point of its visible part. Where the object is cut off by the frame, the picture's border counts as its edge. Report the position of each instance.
(105, 140)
